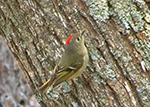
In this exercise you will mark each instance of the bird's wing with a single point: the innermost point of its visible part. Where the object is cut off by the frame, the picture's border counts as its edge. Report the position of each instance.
(73, 67)
(65, 72)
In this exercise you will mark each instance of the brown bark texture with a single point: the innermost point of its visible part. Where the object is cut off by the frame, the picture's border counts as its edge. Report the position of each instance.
(117, 35)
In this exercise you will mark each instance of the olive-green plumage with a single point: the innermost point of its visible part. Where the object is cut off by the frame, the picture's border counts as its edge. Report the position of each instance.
(72, 63)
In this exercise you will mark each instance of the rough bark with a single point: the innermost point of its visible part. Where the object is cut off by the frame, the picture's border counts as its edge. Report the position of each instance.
(117, 37)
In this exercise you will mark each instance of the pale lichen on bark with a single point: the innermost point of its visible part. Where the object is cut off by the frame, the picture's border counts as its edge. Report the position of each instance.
(128, 17)
(99, 9)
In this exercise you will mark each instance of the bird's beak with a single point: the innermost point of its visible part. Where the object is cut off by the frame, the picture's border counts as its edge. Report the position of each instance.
(82, 32)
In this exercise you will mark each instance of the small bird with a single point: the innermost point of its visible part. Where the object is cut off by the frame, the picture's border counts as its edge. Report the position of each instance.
(73, 62)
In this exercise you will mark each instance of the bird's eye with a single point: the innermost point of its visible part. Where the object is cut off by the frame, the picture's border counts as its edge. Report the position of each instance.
(78, 39)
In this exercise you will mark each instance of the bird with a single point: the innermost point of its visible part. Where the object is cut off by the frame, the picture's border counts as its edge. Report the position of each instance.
(72, 63)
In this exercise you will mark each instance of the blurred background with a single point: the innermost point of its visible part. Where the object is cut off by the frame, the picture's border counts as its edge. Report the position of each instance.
(14, 90)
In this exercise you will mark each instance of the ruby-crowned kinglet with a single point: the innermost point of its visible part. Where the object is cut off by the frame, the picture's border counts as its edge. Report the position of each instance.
(72, 63)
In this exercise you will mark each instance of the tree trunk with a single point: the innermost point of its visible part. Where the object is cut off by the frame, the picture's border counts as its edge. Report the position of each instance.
(116, 35)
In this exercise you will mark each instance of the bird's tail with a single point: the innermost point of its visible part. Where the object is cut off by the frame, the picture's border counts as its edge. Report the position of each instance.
(48, 84)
